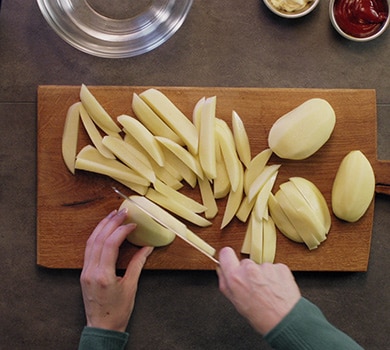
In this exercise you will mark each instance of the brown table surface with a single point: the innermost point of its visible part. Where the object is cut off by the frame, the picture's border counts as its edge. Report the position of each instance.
(222, 43)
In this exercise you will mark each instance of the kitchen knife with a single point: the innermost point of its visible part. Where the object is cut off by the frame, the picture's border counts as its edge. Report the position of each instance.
(179, 230)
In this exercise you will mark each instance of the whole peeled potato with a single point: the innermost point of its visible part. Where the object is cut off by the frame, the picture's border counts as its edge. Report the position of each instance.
(302, 131)
(353, 187)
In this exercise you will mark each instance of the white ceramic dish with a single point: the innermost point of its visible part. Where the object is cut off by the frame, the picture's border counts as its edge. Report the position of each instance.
(350, 36)
(84, 27)
(310, 6)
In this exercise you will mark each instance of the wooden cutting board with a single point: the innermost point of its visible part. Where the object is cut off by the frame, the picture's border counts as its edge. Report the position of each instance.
(69, 207)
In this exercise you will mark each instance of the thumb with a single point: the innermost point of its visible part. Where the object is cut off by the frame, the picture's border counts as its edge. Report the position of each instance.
(137, 263)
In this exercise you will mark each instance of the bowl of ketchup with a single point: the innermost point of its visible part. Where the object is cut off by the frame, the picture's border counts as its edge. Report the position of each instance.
(359, 20)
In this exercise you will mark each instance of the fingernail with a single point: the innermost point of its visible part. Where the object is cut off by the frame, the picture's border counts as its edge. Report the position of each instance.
(112, 213)
(123, 211)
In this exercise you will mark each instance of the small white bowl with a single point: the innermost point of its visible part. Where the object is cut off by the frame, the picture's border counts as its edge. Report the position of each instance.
(310, 6)
(351, 36)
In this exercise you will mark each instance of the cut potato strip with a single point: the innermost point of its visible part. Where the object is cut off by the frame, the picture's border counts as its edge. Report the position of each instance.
(94, 134)
(245, 209)
(140, 189)
(145, 138)
(173, 117)
(70, 136)
(256, 251)
(261, 205)
(302, 206)
(301, 221)
(229, 153)
(269, 241)
(186, 201)
(246, 244)
(259, 182)
(97, 112)
(90, 159)
(200, 243)
(282, 221)
(314, 198)
(185, 156)
(234, 200)
(128, 155)
(196, 114)
(152, 121)
(221, 184)
(241, 139)
(177, 208)
(161, 215)
(207, 138)
(208, 198)
(255, 167)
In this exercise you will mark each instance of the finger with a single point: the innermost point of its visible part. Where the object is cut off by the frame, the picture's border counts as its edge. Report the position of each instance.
(110, 249)
(228, 260)
(137, 263)
(104, 232)
(92, 237)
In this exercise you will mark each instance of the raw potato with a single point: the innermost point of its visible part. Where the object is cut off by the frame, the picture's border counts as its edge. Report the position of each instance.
(207, 156)
(144, 137)
(177, 208)
(70, 136)
(173, 117)
(300, 212)
(148, 232)
(353, 187)
(241, 139)
(303, 131)
(229, 153)
(97, 112)
(152, 121)
(126, 154)
(94, 134)
(90, 159)
(185, 156)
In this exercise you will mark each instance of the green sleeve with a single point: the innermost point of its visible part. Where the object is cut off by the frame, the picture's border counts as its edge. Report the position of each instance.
(102, 339)
(306, 328)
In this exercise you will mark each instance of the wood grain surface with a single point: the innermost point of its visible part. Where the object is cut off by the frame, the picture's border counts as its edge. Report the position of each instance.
(69, 206)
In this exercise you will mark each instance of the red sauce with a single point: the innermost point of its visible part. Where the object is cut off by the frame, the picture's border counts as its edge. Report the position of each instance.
(360, 18)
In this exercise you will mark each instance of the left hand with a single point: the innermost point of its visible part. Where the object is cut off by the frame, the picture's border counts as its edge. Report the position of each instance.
(109, 299)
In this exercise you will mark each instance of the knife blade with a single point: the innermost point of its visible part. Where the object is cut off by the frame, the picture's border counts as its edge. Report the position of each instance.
(179, 230)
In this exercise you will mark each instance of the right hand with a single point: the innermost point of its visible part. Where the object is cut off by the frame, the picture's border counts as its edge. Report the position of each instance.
(263, 294)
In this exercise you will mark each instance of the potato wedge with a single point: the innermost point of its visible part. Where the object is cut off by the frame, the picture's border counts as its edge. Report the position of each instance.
(177, 208)
(185, 156)
(97, 112)
(229, 153)
(241, 139)
(145, 138)
(94, 134)
(207, 157)
(70, 136)
(90, 159)
(152, 121)
(128, 155)
(173, 117)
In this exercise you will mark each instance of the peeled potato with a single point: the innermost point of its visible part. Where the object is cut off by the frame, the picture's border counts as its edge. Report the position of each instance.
(148, 231)
(353, 187)
(302, 131)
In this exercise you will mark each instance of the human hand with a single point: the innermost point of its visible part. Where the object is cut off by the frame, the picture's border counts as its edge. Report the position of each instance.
(263, 294)
(108, 298)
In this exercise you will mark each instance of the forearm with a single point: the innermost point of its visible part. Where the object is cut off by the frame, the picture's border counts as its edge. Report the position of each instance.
(102, 339)
(305, 327)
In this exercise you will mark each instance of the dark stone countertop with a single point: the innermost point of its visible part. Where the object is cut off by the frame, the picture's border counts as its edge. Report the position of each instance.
(221, 43)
